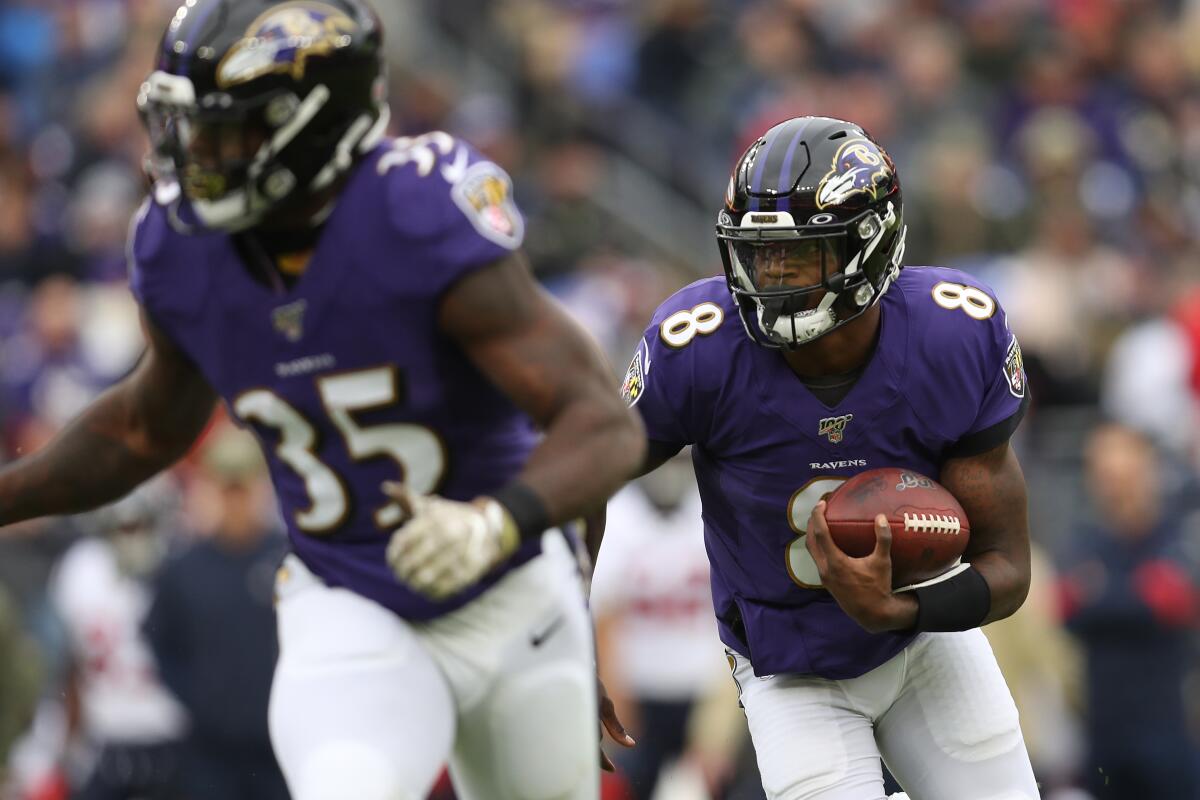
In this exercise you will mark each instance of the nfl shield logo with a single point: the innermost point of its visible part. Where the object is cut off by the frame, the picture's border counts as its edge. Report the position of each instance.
(834, 428)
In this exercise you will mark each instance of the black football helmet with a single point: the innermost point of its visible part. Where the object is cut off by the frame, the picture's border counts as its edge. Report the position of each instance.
(255, 106)
(817, 199)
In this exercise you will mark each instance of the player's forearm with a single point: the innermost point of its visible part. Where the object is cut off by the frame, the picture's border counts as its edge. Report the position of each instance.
(991, 489)
(98, 458)
(590, 450)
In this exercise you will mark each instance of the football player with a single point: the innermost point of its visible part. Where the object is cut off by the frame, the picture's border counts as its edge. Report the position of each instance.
(814, 358)
(361, 303)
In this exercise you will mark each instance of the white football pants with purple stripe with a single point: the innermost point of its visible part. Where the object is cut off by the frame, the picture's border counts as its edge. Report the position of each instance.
(368, 706)
(939, 714)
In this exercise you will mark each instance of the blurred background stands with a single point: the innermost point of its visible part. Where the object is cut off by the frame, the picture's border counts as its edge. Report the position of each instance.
(1049, 146)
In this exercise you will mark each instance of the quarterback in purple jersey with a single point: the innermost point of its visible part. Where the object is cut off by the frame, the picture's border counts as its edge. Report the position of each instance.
(361, 303)
(814, 358)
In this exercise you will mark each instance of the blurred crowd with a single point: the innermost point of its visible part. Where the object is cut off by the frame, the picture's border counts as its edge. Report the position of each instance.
(1049, 146)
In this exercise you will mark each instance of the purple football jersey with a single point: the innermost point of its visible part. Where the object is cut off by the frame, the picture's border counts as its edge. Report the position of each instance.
(345, 377)
(945, 379)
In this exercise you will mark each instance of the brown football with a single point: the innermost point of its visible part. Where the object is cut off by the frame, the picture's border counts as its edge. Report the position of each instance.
(929, 529)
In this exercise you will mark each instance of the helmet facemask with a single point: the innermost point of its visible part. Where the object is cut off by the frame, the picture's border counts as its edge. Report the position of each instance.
(796, 283)
(222, 154)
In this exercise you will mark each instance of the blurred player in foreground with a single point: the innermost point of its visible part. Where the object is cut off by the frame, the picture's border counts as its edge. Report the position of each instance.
(815, 358)
(362, 304)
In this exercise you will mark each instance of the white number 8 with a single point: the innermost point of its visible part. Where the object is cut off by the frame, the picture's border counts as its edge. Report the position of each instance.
(683, 326)
(974, 301)
(800, 565)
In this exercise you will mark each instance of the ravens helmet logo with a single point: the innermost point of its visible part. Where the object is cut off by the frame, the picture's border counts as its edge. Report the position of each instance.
(283, 39)
(859, 167)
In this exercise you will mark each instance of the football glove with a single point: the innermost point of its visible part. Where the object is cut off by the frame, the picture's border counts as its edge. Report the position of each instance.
(445, 546)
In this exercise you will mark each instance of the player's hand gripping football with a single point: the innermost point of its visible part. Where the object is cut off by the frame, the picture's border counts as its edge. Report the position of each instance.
(444, 546)
(861, 586)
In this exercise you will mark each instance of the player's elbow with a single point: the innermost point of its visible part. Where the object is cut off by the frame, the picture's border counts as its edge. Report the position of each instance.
(1009, 593)
(607, 434)
(1019, 592)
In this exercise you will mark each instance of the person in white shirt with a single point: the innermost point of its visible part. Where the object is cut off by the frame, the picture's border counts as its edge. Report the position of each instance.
(100, 593)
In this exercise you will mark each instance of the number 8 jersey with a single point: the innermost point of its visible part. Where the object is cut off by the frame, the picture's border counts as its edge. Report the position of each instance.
(345, 377)
(945, 380)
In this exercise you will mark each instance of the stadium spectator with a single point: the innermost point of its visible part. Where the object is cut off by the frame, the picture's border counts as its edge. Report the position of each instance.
(1129, 593)
(1051, 148)
(216, 597)
(116, 703)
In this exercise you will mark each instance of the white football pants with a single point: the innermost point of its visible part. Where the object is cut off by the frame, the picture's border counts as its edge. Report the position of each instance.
(368, 706)
(939, 714)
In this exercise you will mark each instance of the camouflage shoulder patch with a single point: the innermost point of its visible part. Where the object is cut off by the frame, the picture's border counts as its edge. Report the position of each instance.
(484, 193)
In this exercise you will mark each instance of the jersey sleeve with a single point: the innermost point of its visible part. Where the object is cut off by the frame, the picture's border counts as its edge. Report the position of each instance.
(965, 379)
(680, 372)
(658, 384)
(450, 207)
(1005, 396)
(163, 287)
(142, 241)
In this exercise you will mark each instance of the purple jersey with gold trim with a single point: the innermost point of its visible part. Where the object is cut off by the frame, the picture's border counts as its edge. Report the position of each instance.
(345, 377)
(945, 379)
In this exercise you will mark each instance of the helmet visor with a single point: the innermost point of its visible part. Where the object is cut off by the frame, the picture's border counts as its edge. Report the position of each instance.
(790, 274)
(786, 265)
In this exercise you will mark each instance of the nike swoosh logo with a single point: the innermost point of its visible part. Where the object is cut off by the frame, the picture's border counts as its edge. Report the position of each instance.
(538, 639)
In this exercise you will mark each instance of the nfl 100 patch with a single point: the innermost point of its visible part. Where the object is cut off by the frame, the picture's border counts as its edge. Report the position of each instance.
(834, 428)
(289, 320)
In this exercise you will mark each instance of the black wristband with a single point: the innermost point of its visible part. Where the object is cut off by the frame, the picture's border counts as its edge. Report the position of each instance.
(956, 604)
(526, 509)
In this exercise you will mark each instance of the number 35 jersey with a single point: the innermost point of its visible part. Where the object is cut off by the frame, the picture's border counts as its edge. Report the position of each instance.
(945, 379)
(345, 377)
